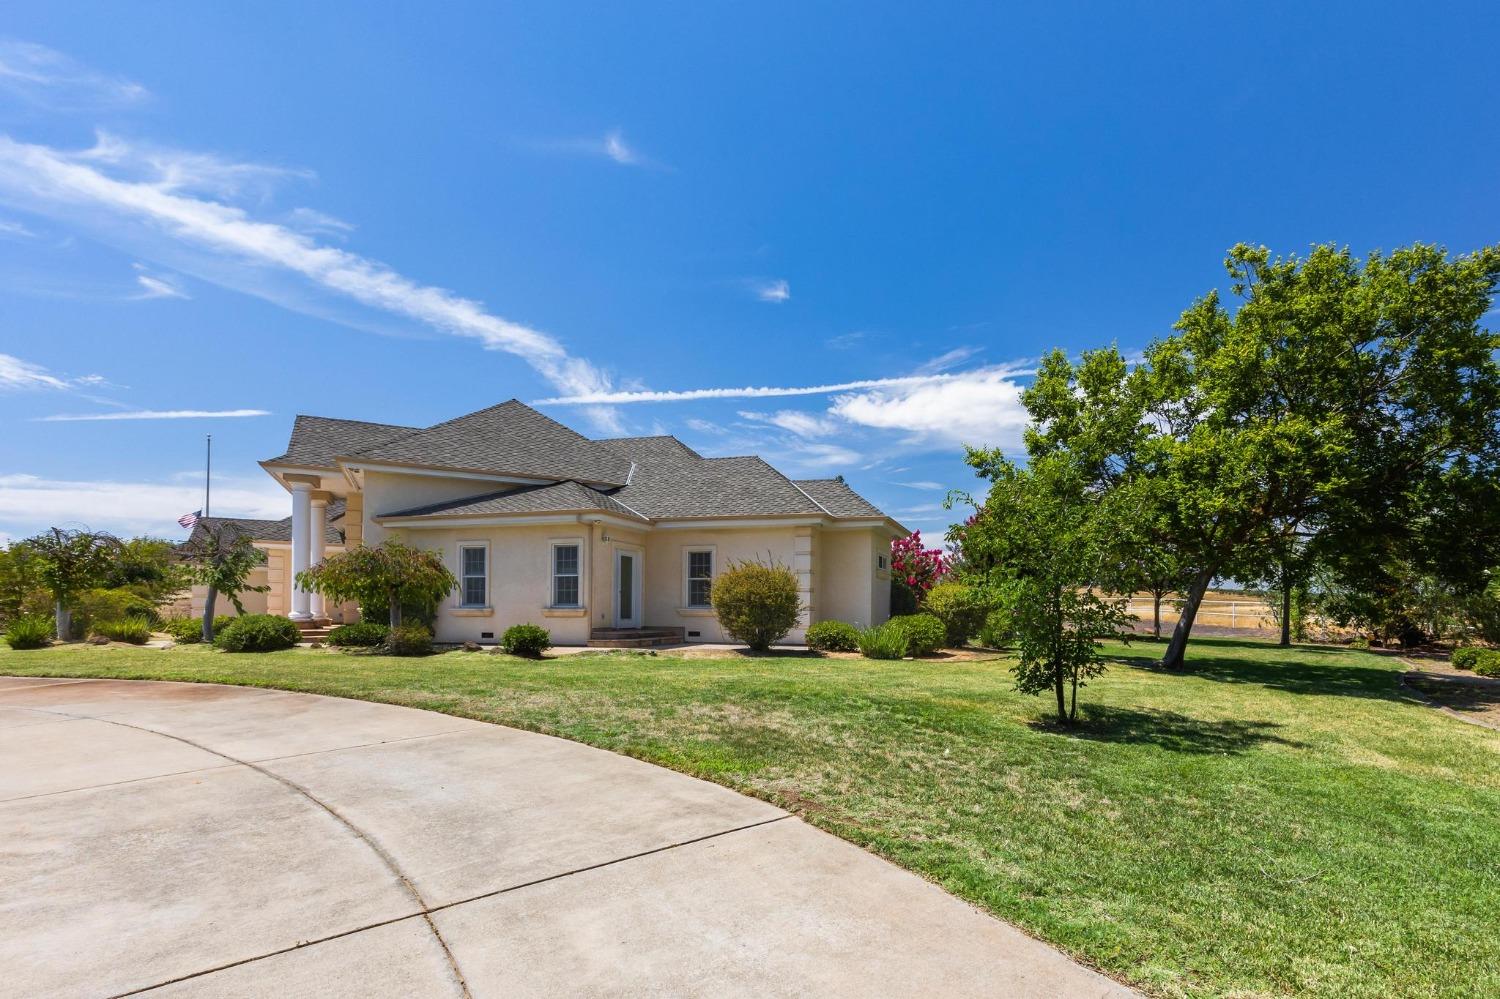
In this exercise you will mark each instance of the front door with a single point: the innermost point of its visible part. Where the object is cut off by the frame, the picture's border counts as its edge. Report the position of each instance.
(627, 589)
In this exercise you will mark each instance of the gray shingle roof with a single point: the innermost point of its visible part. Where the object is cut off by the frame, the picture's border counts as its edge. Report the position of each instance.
(261, 530)
(559, 497)
(835, 496)
(317, 440)
(672, 480)
(511, 439)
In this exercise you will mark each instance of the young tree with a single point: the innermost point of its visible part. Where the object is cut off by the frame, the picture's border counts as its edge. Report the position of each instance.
(391, 573)
(221, 557)
(149, 567)
(1344, 396)
(69, 562)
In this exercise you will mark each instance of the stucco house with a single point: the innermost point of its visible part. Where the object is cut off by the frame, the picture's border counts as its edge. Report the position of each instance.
(595, 540)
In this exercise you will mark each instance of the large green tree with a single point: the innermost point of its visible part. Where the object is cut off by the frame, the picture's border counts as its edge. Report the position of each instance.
(1345, 396)
(389, 574)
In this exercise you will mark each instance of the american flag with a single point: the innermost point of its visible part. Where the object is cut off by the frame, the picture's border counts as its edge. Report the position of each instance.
(189, 519)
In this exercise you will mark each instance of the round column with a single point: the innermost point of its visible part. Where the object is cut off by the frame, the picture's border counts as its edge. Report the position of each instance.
(301, 548)
(318, 536)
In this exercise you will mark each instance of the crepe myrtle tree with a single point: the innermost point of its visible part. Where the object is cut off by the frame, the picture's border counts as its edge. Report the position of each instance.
(391, 573)
(221, 557)
(916, 568)
(69, 562)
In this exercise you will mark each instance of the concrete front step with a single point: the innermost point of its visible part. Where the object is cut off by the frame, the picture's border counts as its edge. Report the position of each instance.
(634, 638)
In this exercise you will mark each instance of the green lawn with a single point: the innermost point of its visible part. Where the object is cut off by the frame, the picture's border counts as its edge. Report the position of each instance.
(1279, 823)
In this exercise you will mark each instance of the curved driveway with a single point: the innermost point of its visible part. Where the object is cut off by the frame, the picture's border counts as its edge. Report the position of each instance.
(190, 839)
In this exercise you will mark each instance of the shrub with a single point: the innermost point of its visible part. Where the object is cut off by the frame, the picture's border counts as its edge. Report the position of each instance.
(885, 642)
(257, 633)
(189, 630)
(526, 640)
(924, 633)
(1488, 663)
(998, 629)
(1466, 658)
(756, 602)
(31, 632)
(960, 607)
(126, 629)
(409, 640)
(94, 606)
(833, 636)
(360, 635)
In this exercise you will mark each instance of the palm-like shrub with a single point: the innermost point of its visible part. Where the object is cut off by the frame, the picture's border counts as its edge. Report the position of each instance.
(833, 636)
(885, 642)
(33, 631)
(526, 640)
(132, 630)
(359, 635)
(925, 634)
(258, 633)
(409, 640)
(756, 602)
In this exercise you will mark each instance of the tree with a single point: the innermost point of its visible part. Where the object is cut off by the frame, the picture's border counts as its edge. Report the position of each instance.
(915, 568)
(391, 573)
(69, 562)
(149, 567)
(21, 591)
(1050, 541)
(222, 557)
(1342, 396)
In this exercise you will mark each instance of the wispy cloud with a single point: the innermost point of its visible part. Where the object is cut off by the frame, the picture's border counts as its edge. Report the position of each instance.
(153, 414)
(948, 361)
(30, 502)
(613, 397)
(18, 374)
(15, 229)
(49, 79)
(183, 171)
(612, 145)
(920, 485)
(846, 341)
(776, 291)
(80, 187)
(795, 421)
(314, 222)
(155, 286)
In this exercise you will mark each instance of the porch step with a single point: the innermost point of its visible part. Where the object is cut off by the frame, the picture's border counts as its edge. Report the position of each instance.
(634, 638)
(314, 631)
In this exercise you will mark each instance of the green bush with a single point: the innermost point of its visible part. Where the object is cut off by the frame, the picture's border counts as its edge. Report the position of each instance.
(1488, 663)
(409, 640)
(998, 629)
(360, 635)
(756, 603)
(189, 630)
(257, 633)
(30, 632)
(127, 629)
(925, 634)
(960, 607)
(833, 636)
(94, 606)
(1466, 658)
(526, 640)
(885, 642)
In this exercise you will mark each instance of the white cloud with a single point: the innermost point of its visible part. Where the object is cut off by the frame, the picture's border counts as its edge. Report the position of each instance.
(15, 229)
(49, 79)
(310, 220)
(704, 426)
(944, 362)
(29, 503)
(157, 287)
(18, 374)
(611, 146)
(79, 187)
(616, 149)
(981, 408)
(846, 341)
(921, 485)
(777, 291)
(153, 414)
(620, 397)
(800, 423)
(183, 171)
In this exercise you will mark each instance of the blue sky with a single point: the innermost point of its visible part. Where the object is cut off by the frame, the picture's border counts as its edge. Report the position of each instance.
(406, 212)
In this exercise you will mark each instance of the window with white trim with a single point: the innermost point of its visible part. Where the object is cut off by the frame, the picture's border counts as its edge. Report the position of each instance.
(566, 575)
(700, 577)
(473, 578)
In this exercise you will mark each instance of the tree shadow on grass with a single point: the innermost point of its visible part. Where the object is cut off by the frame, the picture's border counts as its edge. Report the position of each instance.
(1303, 675)
(1167, 729)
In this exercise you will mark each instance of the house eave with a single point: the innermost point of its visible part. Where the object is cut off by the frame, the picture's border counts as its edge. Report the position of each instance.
(357, 464)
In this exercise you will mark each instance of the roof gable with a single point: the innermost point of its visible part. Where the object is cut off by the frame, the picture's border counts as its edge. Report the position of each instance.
(556, 497)
(318, 440)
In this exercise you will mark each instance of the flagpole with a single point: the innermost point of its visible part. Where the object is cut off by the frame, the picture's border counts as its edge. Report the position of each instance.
(208, 473)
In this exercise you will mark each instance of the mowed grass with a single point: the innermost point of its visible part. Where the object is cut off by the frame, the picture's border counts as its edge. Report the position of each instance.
(1280, 822)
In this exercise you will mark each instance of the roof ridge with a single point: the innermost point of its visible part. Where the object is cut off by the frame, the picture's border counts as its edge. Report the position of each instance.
(341, 419)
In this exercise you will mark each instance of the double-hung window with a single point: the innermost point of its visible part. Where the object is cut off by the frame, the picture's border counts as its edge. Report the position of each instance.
(700, 578)
(474, 575)
(565, 575)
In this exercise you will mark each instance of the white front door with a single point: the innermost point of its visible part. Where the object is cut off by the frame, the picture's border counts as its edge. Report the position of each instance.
(627, 589)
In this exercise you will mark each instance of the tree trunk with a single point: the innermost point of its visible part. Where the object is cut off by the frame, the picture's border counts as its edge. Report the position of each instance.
(208, 614)
(1286, 615)
(1057, 675)
(1073, 707)
(62, 621)
(395, 611)
(1156, 614)
(1176, 654)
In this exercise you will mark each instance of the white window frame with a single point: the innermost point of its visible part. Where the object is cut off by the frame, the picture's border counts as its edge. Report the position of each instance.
(462, 547)
(552, 575)
(687, 583)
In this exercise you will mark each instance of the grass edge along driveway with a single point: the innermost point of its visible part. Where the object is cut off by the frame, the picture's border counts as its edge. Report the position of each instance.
(1280, 822)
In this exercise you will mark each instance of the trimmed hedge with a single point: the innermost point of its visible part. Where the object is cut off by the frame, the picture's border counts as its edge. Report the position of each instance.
(526, 640)
(756, 603)
(833, 636)
(409, 640)
(1466, 658)
(32, 632)
(131, 630)
(359, 635)
(189, 630)
(1488, 663)
(885, 642)
(925, 634)
(258, 633)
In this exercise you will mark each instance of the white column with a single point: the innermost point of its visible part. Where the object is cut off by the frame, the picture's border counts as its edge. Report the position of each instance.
(319, 534)
(301, 547)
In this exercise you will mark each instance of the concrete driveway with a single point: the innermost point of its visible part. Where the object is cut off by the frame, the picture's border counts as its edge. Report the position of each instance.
(188, 839)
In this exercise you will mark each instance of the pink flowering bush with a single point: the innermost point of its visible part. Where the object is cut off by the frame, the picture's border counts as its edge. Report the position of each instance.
(918, 569)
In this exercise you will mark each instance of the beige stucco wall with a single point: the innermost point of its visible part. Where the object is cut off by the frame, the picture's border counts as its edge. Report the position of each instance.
(851, 587)
(255, 603)
(389, 492)
(666, 577)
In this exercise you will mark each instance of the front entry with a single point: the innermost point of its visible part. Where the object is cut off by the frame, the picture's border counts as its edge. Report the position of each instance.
(627, 589)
